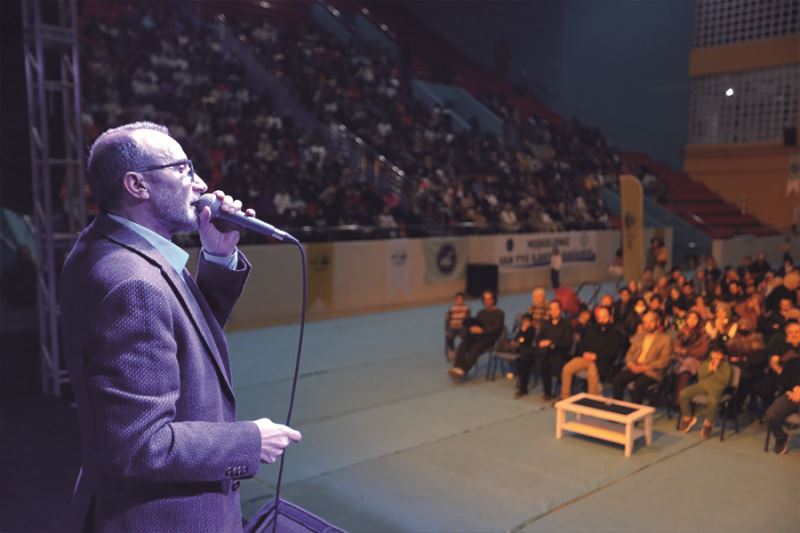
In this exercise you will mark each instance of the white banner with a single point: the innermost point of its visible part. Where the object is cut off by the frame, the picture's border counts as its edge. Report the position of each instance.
(398, 271)
(445, 258)
(533, 250)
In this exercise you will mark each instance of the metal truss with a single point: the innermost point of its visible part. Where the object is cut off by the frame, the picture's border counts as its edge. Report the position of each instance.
(52, 72)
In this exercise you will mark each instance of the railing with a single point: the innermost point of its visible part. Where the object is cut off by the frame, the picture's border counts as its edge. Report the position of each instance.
(593, 297)
(371, 165)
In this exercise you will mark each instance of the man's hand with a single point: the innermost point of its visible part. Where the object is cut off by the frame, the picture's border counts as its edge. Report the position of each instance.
(545, 343)
(214, 241)
(275, 438)
(794, 394)
(636, 369)
(475, 330)
(590, 356)
(775, 364)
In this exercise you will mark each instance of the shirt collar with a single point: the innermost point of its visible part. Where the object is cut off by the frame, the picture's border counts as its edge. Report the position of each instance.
(174, 255)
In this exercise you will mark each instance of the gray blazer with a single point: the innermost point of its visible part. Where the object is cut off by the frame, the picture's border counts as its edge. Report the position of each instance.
(161, 449)
(657, 358)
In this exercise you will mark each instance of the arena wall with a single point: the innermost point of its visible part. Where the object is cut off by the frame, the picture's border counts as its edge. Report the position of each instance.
(358, 278)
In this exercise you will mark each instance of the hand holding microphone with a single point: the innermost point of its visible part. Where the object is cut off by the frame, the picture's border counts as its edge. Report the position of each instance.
(223, 208)
(214, 240)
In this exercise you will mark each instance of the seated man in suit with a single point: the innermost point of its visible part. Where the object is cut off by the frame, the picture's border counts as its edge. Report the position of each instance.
(481, 334)
(646, 361)
(597, 350)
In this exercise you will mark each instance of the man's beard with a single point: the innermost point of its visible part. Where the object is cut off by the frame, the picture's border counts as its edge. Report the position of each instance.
(172, 212)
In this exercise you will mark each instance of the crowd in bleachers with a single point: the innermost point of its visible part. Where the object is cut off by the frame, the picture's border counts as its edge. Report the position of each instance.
(152, 65)
(149, 64)
(454, 175)
(725, 341)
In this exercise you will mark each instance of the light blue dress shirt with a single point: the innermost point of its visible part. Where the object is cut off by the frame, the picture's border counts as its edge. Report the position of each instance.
(174, 254)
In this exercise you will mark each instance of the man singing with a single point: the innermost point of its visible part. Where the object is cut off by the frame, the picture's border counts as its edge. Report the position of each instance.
(147, 356)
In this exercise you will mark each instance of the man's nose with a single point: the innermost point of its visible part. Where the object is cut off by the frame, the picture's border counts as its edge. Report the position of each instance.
(198, 184)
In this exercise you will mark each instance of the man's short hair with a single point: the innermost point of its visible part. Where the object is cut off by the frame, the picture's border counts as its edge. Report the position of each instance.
(112, 154)
(460, 294)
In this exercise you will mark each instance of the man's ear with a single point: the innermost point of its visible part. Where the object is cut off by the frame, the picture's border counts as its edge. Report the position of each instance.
(135, 185)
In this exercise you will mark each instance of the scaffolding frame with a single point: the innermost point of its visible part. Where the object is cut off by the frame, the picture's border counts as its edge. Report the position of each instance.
(52, 73)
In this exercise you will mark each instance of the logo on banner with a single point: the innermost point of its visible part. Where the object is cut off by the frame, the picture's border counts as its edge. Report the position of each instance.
(399, 257)
(320, 263)
(446, 259)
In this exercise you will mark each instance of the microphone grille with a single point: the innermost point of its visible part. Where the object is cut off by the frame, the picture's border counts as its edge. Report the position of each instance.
(209, 200)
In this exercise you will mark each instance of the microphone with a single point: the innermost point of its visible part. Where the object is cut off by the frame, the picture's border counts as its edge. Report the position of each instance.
(239, 219)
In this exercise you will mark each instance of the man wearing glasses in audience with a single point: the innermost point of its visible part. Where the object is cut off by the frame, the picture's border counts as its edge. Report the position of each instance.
(147, 357)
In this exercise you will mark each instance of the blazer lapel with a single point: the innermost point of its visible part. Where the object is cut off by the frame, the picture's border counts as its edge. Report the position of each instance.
(134, 242)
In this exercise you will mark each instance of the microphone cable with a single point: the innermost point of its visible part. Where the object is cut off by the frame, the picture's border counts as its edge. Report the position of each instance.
(302, 251)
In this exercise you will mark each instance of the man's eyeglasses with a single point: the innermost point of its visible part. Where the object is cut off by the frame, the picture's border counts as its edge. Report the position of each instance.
(185, 163)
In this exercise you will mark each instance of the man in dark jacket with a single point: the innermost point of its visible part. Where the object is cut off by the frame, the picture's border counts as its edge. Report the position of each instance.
(784, 405)
(161, 447)
(552, 345)
(481, 334)
(596, 353)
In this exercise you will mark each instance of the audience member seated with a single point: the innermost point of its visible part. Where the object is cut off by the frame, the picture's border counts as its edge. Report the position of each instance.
(646, 361)
(723, 327)
(780, 350)
(691, 349)
(714, 377)
(748, 352)
(456, 315)
(538, 308)
(623, 306)
(552, 346)
(481, 333)
(676, 305)
(633, 320)
(596, 353)
(785, 404)
(788, 289)
(523, 343)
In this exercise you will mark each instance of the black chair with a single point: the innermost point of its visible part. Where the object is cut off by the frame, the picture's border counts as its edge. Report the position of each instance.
(500, 354)
(725, 401)
(793, 420)
(652, 391)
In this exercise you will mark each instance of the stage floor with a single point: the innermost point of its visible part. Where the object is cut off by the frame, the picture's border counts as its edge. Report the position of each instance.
(390, 444)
